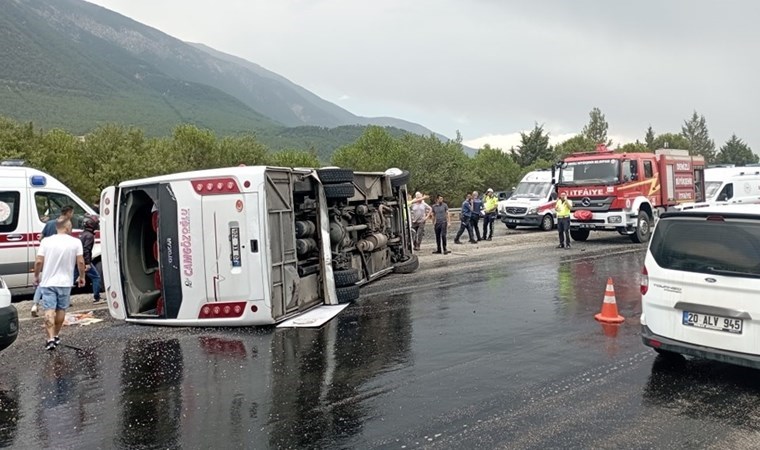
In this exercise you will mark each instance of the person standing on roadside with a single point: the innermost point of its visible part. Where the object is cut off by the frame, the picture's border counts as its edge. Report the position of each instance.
(490, 204)
(67, 212)
(441, 214)
(56, 259)
(91, 224)
(465, 220)
(421, 212)
(563, 206)
(477, 208)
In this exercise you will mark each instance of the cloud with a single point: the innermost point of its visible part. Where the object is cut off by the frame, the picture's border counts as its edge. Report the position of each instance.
(344, 97)
(509, 140)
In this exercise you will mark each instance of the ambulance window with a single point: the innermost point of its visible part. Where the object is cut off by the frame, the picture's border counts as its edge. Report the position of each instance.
(726, 193)
(9, 211)
(49, 206)
(648, 173)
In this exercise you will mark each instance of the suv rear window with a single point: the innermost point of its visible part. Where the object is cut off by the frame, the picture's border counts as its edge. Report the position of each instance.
(730, 247)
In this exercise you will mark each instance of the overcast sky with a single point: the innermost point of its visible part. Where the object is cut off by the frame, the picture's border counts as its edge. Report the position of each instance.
(491, 68)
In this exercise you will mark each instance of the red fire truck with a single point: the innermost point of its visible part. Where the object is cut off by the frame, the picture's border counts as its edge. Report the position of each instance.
(626, 192)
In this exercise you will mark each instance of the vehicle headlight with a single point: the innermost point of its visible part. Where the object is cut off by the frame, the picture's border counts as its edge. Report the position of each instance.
(614, 219)
(532, 211)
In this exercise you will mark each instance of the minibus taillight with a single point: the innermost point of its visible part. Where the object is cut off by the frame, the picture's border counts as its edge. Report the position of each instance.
(221, 310)
(644, 280)
(215, 186)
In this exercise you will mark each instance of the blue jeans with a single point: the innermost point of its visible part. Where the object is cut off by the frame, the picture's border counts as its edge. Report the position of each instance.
(94, 276)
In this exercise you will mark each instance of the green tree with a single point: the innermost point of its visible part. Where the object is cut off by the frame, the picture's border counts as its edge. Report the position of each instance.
(670, 140)
(194, 148)
(294, 158)
(596, 129)
(533, 146)
(695, 132)
(649, 138)
(735, 151)
(633, 147)
(494, 168)
(233, 151)
(576, 144)
(438, 167)
(375, 150)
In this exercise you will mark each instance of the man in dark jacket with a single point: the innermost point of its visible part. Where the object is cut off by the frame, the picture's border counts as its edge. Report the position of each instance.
(91, 224)
(465, 219)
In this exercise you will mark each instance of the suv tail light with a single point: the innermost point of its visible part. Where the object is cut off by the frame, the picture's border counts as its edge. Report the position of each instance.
(221, 310)
(644, 280)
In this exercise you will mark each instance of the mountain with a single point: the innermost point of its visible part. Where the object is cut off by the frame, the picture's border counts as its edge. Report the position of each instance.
(74, 65)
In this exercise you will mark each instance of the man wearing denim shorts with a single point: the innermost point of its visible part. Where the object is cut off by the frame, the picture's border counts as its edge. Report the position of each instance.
(56, 259)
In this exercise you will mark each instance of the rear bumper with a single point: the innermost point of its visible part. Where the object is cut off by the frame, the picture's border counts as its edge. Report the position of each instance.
(8, 326)
(699, 351)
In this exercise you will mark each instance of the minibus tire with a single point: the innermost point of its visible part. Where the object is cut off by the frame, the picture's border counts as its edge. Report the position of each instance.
(346, 277)
(334, 176)
(341, 190)
(400, 179)
(408, 266)
(347, 294)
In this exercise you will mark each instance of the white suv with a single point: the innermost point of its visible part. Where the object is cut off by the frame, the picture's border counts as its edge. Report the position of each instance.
(8, 317)
(701, 284)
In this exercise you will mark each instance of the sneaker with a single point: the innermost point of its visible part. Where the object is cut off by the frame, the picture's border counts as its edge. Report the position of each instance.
(97, 300)
(458, 242)
(473, 241)
(488, 239)
(34, 310)
(561, 246)
(567, 246)
(447, 252)
(57, 341)
(50, 345)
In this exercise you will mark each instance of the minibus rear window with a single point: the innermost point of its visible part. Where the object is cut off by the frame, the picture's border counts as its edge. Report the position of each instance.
(729, 247)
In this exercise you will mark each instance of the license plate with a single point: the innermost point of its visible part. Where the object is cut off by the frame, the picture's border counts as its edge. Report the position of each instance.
(586, 225)
(713, 322)
(235, 247)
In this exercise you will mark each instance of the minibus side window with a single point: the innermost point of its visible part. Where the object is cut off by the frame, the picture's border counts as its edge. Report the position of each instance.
(49, 206)
(9, 211)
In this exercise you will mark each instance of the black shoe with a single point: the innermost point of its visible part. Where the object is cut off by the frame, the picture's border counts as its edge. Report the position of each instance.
(488, 239)
(437, 252)
(50, 345)
(57, 341)
(561, 246)
(457, 241)
(473, 241)
(446, 252)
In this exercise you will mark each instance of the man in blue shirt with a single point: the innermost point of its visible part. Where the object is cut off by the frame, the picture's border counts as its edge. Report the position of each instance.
(477, 208)
(465, 220)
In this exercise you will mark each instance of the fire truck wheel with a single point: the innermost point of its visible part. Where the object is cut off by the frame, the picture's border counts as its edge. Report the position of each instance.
(547, 223)
(579, 235)
(346, 277)
(340, 190)
(511, 227)
(408, 266)
(347, 294)
(335, 175)
(643, 228)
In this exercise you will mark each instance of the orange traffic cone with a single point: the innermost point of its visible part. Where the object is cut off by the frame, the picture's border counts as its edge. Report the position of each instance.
(609, 312)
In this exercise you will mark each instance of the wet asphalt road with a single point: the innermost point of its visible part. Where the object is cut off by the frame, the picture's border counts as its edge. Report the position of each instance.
(502, 356)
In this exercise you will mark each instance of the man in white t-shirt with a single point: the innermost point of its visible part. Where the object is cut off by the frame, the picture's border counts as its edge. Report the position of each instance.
(57, 257)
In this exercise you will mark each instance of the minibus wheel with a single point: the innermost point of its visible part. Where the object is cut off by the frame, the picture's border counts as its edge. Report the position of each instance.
(346, 277)
(341, 190)
(347, 294)
(335, 175)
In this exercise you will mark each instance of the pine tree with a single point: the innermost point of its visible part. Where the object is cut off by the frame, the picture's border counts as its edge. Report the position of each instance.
(596, 129)
(735, 151)
(695, 131)
(533, 146)
(649, 138)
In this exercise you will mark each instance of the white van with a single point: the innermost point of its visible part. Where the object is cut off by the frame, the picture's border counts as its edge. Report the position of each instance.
(531, 203)
(28, 198)
(700, 285)
(728, 185)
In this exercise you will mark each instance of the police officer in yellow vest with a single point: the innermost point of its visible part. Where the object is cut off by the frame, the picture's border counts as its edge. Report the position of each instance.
(563, 207)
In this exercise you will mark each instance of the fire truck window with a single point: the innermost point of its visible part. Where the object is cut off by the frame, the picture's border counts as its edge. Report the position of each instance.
(629, 171)
(648, 169)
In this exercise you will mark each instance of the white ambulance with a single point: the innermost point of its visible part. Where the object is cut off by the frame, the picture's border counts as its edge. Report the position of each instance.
(531, 203)
(249, 245)
(728, 185)
(28, 198)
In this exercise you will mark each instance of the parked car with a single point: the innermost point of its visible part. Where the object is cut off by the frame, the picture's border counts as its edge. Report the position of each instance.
(700, 284)
(8, 317)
